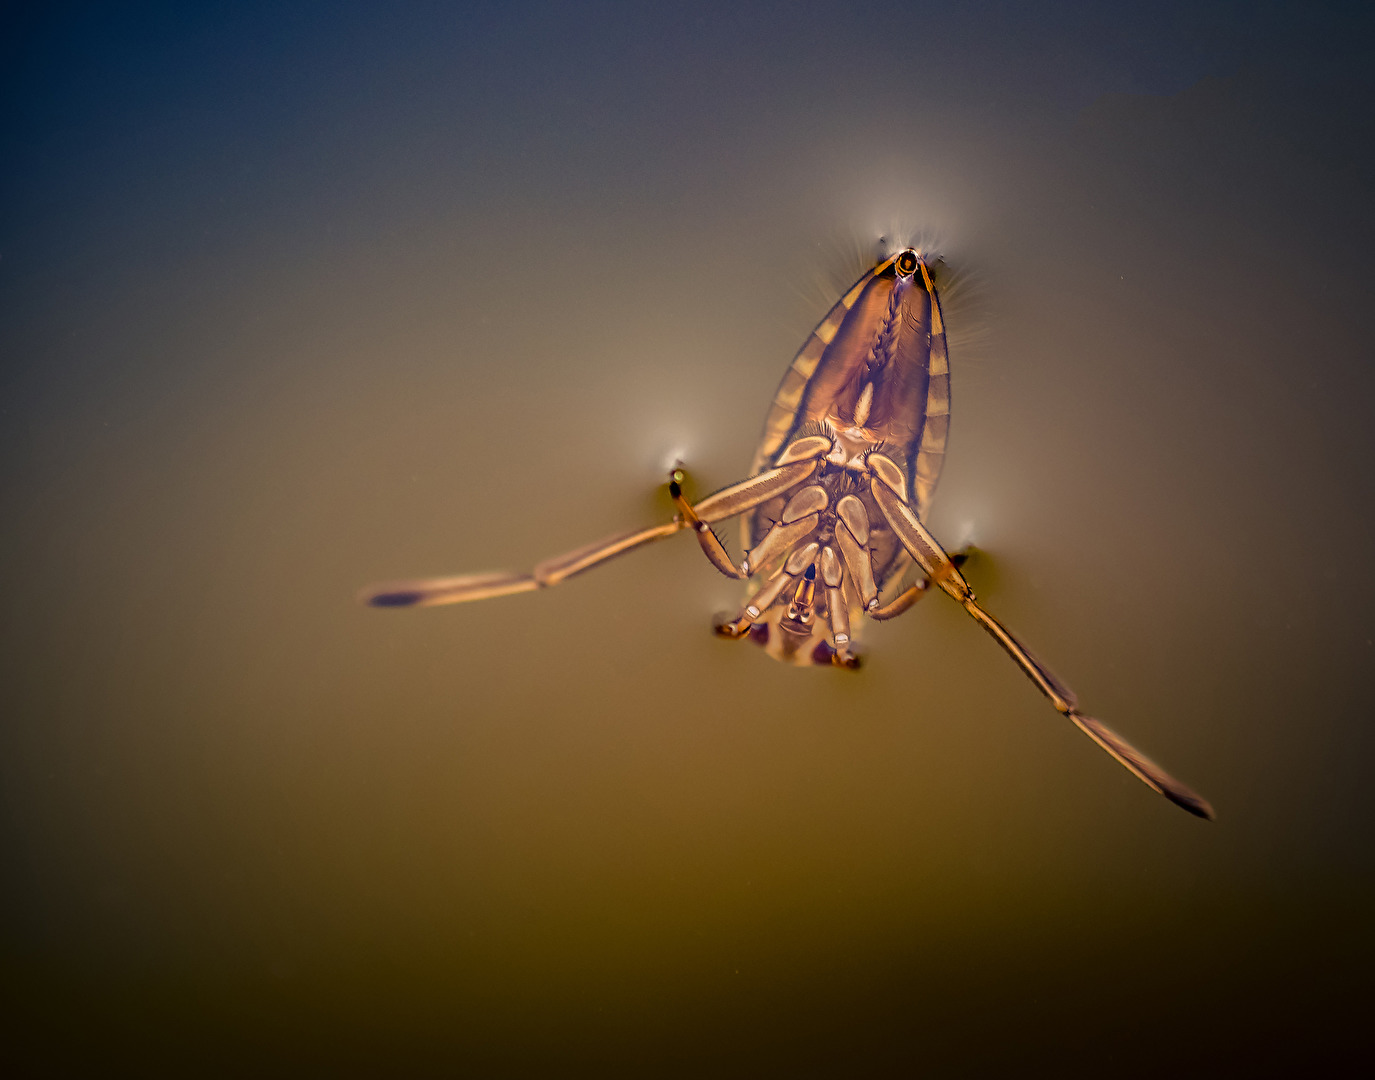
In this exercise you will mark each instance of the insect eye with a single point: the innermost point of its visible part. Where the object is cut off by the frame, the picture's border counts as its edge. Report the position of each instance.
(906, 263)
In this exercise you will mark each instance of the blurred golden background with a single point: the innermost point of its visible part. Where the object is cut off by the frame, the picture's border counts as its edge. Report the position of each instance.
(296, 299)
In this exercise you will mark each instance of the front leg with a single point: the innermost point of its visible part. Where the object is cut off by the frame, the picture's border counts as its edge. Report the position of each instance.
(747, 494)
(793, 466)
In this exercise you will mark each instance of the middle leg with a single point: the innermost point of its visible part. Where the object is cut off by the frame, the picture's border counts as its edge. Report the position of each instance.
(916, 591)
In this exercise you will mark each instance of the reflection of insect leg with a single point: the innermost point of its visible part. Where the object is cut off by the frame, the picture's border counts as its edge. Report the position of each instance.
(941, 569)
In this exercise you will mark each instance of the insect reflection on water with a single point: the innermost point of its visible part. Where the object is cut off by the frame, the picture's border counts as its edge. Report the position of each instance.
(832, 512)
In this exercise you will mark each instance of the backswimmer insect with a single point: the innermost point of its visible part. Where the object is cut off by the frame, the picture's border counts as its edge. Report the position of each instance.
(832, 512)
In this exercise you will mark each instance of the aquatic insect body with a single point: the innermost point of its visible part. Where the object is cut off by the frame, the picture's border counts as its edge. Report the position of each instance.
(832, 514)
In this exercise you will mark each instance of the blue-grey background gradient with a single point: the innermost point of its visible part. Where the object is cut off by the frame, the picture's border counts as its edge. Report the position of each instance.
(298, 297)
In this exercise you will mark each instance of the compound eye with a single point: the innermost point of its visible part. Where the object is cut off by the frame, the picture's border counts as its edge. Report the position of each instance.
(906, 263)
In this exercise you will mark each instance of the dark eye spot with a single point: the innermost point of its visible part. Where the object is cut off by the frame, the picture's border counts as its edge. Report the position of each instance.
(906, 263)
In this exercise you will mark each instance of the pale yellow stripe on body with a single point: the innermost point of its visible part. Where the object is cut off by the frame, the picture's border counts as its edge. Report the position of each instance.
(936, 430)
(940, 362)
(937, 323)
(777, 425)
(848, 300)
(928, 469)
(785, 404)
(809, 356)
(786, 401)
(922, 491)
(826, 332)
(933, 435)
(804, 363)
(938, 396)
(931, 449)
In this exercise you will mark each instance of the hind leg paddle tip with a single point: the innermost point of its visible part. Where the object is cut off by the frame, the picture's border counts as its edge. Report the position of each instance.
(1194, 804)
(393, 599)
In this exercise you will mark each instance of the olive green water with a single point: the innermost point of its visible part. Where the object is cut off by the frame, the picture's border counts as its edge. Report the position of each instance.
(293, 304)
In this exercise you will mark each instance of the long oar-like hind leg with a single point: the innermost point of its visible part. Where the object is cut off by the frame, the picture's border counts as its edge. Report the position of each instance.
(939, 567)
(1140, 766)
(736, 499)
(430, 592)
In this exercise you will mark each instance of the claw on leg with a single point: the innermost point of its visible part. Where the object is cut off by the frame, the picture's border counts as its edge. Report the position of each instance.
(845, 659)
(825, 656)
